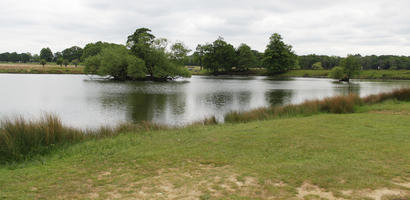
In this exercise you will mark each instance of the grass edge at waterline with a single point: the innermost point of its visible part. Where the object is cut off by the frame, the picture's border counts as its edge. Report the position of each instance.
(337, 104)
(22, 139)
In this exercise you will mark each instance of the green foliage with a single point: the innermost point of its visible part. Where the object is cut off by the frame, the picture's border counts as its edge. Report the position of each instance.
(76, 62)
(327, 62)
(351, 66)
(66, 62)
(46, 54)
(245, 58)
(317, 66)
(199, 55)
(72, 53)
(93, 49)
(92, 64)
(116, 61)
(43, 62)
(337, 73)
(219, 55)
(60, 61)
(278, 57)
(158, 65)
(179, 53)
(25, 57)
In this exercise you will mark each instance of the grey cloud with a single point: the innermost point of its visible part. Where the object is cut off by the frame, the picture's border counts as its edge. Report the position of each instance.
(316, 26)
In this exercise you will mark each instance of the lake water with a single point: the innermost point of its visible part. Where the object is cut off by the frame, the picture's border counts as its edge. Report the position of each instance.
(87, 103)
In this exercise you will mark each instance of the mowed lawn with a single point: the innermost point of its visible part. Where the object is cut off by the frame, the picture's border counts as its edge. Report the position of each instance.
(365, 155)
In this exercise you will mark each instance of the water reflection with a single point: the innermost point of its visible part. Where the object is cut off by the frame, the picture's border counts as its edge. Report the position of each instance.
(82, 102)
(278, 97)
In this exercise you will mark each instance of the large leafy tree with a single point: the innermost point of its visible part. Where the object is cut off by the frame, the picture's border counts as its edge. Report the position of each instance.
(278, 56)
(351, 66)
(199, 54)
(72, 53)
(219, 55)
(46, 54)
(93, 49)
(245, 58)
(179, 53)
(153, 52)
(25, 57)
(14, 57)
(117, 62)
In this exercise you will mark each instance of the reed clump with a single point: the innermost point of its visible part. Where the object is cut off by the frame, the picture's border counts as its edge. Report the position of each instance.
(21, 139)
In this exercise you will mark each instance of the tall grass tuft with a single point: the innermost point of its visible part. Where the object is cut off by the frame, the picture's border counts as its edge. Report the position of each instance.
(399, 94)
(21, 139)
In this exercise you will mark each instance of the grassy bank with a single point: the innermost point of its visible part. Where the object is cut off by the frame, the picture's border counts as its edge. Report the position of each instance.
(39, 69)
(364, 74)
(324, 155)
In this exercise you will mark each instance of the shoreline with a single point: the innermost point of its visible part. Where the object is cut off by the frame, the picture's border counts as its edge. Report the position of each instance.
(293, 156)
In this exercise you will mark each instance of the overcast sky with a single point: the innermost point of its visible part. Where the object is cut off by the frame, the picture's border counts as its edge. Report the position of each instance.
(331, 27)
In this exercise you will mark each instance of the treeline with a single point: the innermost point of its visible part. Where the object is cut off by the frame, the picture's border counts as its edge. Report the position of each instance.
(69, 54)
(367, 62)
(216, 57)
(246, 59)
(220, 56)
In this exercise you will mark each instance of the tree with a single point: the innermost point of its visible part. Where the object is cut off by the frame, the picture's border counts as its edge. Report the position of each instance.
(245, 57)
(179, 53)
(66, 62)
(14, 57)
(116, 61)
(337, 73)
(72, 53)
(75, 62)
(152, 51)
(140, 42)
(35, 58)
(25, 57)
(60, 61)
(46, 54)
(351, 66)
(199, 55)
(43, 62)
(219, 55)
(57, 55)
(92, 64)
(93, 49)
(317, 66)
(278, 56)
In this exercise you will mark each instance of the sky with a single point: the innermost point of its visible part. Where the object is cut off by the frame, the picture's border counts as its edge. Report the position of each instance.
(328, 27)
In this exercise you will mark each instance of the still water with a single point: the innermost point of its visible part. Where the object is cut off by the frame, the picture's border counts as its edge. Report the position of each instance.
(86, 103)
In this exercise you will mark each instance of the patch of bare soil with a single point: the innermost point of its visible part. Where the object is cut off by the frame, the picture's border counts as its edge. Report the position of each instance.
(391, 112)
(309, 191)
(203, 182)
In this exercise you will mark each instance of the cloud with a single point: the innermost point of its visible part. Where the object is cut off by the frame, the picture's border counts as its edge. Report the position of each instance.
(316, 26)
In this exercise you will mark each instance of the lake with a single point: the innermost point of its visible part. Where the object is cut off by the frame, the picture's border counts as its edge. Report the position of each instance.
(88, 102)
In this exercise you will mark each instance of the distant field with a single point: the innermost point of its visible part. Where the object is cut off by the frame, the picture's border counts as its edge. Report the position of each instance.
(35, 68)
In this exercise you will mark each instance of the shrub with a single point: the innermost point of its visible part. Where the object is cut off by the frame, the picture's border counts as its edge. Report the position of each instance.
(337, 73)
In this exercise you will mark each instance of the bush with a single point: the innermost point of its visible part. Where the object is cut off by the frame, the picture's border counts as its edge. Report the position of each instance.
(317, 66)
(337, 73)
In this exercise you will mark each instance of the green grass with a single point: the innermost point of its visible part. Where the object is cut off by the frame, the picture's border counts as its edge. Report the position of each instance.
(358, 152)
(364, 74)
